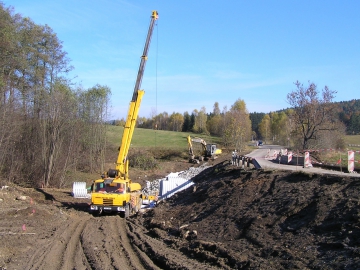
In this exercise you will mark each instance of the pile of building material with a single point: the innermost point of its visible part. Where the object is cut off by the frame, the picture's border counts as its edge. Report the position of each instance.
(172, 183)
(193, 171)
(176, 182)
(151, 192)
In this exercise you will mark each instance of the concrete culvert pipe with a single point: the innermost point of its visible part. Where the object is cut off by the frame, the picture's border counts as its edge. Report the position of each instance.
(79, 190)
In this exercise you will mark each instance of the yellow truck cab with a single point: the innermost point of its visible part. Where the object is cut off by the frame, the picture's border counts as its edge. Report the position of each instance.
(111, 195)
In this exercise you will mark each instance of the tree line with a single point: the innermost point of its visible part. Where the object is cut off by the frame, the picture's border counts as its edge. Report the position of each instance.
(49, 127)
(312, 121)
(232, 125)
(349, 114)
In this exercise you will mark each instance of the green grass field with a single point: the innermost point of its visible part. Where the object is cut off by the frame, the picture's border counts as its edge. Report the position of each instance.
(352, 139)
(177, 140)
(145, 138)
(149, 138)
(351, 143)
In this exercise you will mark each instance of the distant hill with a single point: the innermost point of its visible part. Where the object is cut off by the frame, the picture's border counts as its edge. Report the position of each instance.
(348, 112)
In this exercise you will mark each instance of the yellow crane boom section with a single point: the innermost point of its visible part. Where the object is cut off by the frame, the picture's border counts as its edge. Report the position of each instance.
(122, 165)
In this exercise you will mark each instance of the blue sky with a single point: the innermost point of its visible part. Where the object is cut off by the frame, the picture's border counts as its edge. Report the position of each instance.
(204, 52)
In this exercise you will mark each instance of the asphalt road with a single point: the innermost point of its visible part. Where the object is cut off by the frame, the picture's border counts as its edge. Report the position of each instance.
(261, 156)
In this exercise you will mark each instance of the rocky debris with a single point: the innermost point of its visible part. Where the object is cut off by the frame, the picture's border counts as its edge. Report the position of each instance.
(189, 235)
(193, 171)
(153, 187)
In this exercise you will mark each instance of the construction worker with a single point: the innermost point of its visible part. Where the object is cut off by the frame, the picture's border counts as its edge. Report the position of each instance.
(234, 154)
(238, 158)
(120, 188)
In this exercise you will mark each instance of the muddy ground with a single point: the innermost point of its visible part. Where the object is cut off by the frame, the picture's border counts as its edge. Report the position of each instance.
(230, 219)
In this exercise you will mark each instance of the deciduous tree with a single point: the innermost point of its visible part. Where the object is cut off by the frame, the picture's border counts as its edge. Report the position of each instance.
(176, 122)
(200, 121)
(214, 123)
(265, 128)
(237, 131)
(312, 112)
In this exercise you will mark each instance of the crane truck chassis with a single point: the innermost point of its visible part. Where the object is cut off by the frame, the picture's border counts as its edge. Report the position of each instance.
(115, 192)
(116, 195)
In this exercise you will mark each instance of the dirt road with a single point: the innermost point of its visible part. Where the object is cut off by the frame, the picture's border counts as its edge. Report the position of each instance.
(87, 243)
(56, 232)
(230, 219)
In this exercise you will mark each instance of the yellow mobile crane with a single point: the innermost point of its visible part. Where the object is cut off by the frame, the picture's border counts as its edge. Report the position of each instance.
(115, 192)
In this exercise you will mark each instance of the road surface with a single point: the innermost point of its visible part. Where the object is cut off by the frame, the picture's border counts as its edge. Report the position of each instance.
(265, 162)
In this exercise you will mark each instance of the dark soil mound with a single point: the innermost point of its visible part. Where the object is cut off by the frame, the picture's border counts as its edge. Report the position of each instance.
(234, 219)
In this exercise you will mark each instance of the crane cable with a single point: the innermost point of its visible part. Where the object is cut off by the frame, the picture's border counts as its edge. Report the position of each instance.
(156, 65)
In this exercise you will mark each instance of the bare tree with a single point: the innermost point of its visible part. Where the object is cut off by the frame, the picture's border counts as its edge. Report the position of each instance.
(47, 128)
(311, 112)
(94, 104)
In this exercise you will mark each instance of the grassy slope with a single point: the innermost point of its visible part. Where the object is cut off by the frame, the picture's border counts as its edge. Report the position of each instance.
(332, 157)
(353, 139)
(177, 140)
(156, 138)
(149, 138)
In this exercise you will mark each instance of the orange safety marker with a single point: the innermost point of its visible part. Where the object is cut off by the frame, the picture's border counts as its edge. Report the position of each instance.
(351, 160)
(307, 161)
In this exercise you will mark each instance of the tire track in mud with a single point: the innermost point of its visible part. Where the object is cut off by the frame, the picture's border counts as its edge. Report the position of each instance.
(107, 246)
(65, 251)
(162, 255)
(89, 243)
(102, 244)
(133, 257)
(85, 242)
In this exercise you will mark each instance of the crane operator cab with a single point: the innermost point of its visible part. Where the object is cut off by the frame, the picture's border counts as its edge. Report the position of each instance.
(210, 149)
(109, 187)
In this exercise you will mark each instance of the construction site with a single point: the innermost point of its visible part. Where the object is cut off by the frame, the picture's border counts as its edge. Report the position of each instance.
(231, 217)
(267, 208)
